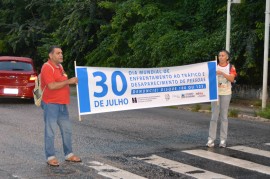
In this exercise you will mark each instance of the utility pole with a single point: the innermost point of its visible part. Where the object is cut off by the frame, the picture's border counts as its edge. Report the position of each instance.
(266, 48)
(228, 27)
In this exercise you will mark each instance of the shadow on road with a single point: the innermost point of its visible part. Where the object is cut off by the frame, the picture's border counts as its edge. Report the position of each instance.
(16, 101)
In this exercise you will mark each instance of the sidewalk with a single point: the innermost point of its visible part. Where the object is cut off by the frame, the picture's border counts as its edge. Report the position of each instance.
(245, 111)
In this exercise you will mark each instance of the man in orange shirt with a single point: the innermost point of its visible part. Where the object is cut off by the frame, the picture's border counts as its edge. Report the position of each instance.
(55, 98)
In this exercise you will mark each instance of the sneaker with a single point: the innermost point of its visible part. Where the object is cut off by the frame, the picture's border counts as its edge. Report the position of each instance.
(222, 144)
(210, 143)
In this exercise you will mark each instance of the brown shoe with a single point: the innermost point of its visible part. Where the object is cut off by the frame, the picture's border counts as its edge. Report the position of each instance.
(53, 162)
(74, 158)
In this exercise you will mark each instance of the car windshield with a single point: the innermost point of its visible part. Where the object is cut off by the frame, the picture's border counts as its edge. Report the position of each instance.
(15, 66)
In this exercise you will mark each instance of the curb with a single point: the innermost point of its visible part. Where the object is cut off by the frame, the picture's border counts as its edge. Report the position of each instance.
(257, 118)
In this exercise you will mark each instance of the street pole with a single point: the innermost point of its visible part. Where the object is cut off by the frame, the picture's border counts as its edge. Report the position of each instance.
(228, 28)
(266, 45)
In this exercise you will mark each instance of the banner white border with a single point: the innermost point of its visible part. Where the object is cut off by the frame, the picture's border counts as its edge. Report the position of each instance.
(115, 89)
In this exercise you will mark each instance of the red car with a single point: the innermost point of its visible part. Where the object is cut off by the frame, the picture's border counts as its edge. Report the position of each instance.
(17, 77)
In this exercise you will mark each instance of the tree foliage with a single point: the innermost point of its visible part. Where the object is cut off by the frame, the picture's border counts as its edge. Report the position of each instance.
(135, 33)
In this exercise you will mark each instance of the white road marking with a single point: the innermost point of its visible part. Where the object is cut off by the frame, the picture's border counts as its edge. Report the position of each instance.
(230, 160)
(251, 150)
(267, 143)
(181, 168)
(112, 172)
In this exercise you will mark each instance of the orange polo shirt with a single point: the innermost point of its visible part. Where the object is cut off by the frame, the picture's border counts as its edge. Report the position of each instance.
(51, 73)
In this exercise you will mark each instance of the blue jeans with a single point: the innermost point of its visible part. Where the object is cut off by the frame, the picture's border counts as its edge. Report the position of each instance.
(56, 114)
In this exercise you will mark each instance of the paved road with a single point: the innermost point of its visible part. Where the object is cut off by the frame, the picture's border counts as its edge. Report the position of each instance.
(148, 143)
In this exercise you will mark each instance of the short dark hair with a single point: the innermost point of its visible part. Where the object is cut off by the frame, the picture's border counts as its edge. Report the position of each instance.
(52, 48)
(227, 52)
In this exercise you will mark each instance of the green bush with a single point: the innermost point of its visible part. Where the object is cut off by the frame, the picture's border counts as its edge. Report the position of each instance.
(196, 108)
(233, 113)
(265, 113)
(257, 103)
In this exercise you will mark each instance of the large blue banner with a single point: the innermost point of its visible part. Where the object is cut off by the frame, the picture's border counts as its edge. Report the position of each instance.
(114, 89)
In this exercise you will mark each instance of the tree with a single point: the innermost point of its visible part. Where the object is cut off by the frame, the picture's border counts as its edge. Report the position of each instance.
(157, 33)
(134, 33)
